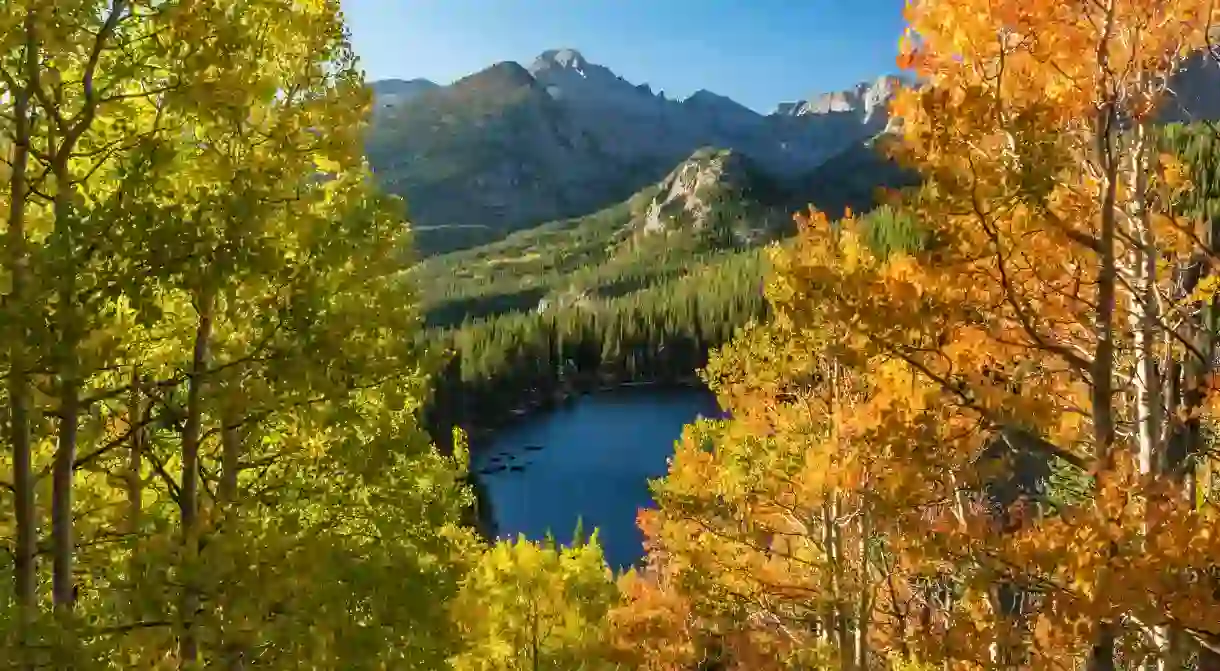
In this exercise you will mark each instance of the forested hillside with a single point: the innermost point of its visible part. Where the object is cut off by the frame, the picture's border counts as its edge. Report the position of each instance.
(507, 365)
(655, 326)
(712, 203)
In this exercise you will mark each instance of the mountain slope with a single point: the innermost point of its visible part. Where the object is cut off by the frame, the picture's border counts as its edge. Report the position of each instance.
(511, 147)
(389, 93)
(714, 202)
(851, 178)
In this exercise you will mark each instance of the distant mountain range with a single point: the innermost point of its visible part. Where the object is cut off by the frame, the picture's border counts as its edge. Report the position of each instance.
(510, 147)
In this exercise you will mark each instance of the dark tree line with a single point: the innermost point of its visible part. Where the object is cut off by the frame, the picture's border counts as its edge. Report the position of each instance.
(509, 364)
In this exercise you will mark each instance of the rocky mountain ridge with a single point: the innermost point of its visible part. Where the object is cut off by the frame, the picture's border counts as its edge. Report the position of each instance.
(514, 146)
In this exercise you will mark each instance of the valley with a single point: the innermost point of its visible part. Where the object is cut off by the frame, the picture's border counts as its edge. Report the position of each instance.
(640, 291)
(548, 325)
(490, 365)
(698, 212)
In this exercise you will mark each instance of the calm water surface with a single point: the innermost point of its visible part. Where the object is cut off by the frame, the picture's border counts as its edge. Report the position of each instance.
(589, 459)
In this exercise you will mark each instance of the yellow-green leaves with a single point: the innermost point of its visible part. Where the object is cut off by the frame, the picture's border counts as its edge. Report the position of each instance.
(215, 346)
(529, 606)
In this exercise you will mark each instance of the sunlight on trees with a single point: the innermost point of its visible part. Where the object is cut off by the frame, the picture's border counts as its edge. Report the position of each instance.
(883, 491)
(211, 452)
(974, 432)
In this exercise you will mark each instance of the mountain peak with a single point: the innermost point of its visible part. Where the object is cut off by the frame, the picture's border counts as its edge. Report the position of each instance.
(568, 76)
(394, 83)
(559, 58)
(864, 99)
(705, 96)
(502, 75)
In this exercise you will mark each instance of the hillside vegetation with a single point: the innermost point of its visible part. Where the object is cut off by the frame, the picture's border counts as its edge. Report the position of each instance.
(701, 211)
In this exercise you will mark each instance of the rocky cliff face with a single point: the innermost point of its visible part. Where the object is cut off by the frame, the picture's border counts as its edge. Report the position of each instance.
(866, 101)
(511, 146)
(718, 195)
(687, 195)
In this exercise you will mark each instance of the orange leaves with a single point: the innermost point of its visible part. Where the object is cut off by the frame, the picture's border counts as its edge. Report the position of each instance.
(812, 220)
(651, 630)
(909, 56)
(856, 456)
(1173, 173)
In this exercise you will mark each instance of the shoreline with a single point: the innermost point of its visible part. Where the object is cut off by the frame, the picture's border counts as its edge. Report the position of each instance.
(484, 430)
(481, 517)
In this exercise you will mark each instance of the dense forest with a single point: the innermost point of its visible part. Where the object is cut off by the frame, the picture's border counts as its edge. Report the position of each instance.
(595, 255)
(971, 430)
(506, 365)
(503, 366)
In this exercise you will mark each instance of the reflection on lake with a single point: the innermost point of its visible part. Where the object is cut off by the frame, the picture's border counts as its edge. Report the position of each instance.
(590, 460)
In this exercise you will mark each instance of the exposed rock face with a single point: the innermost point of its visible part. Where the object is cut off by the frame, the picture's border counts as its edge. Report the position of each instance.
(866, 101)
(690, 194)
(686, 192)
(718, 197)
(511, 147)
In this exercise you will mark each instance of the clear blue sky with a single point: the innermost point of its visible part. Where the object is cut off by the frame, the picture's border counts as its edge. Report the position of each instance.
(758, 52)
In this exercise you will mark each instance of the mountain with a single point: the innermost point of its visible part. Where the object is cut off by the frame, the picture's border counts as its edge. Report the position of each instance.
(851, 178)
(715, 202)
(512, 146)
(865, 101)
(388, 93)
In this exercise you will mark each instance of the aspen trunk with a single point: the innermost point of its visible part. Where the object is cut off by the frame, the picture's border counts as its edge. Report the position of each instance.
(828, 612)
(840, 613)
(135, 454)
(1101, 656)
(63, 142)
(135, 487)
(1144, 317)
(233, 650)
(19, 388)
(1103, 363)
(62, 542)
(864, 604)
(835, 549)
(230, 438)
(188, 644)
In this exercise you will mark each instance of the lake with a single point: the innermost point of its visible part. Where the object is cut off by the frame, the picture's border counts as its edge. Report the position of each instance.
(589, 459)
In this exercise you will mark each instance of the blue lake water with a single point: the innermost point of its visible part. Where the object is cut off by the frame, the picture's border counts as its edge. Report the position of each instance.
(595, 458)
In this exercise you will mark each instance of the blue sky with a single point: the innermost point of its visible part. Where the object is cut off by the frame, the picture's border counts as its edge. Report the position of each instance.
(758, 52)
